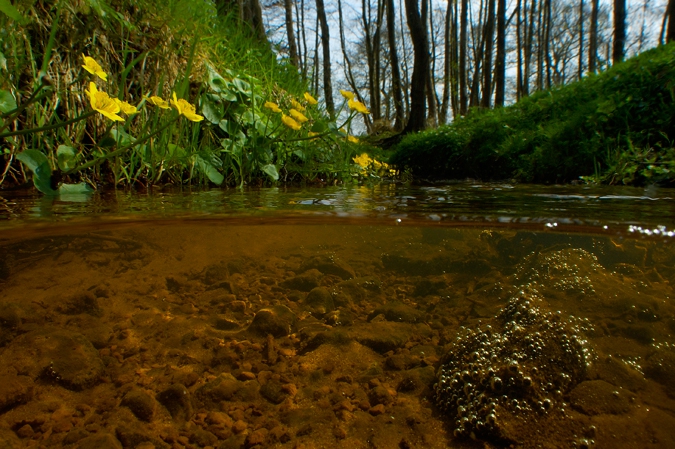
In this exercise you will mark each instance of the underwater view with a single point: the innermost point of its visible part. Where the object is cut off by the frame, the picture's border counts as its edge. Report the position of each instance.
(456, 316)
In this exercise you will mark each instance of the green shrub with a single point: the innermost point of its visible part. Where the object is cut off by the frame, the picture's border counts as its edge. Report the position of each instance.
(622, 119)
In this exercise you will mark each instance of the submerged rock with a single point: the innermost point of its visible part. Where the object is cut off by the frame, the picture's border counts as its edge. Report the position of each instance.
(278, 321)
(63, 356)
(504, 377)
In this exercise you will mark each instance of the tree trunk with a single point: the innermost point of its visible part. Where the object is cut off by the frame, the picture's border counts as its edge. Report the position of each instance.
(593, 37)
(290, 33)
(619, 30)
(528, 48)
(349, 74)
(302, 32)
(399, 114)
(325, 45)
(418, 32)
(249, 11)
(487, 64)
(581, 38)
(463, 88)
(500, 61)
(519, 49)
(447, 65)
(670, 31)
(375, 100)
(540, 45)
(547, 43)
(432, 97)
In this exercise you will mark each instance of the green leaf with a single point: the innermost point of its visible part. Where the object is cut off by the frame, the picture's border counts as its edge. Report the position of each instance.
(212, 110)
(32, 159)
(216, 82)
(3, 61)
(233, 129)
(7, 102)
(66, 157)
(248, 117)
(11, 12)
(319, 127)
(242, 86)
(210, 171)
(42, 172)
(271, 171)
(75, 189)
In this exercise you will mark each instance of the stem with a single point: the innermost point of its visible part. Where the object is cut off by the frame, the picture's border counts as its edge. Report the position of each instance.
(49, 127)
(121, 150)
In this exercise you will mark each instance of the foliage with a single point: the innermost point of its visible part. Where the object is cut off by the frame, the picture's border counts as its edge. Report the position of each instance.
(86, 87)
(615, 127)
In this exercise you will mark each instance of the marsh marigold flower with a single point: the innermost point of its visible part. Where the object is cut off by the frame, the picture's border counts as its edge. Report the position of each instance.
(298, 116)
(290, 122)
(93, 67)
(186, 109)
(363, 160)
(159, 102)
(311, 100)
(358, 106)
(126, 107)
(353, 139)
(297, 105)
(348, 95)
(272, 106)
(101, 102)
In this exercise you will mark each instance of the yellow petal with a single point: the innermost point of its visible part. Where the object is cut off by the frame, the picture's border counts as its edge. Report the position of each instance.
(297, 105)
(358, 106)
(310, 99)
(272, 106)
(176, 104)
(93, 67)
(353, 139)
(363, 160)
(290, 122)
(102, 103)
(159, 102)
(348, 95)
(298, 116)
(126, 107)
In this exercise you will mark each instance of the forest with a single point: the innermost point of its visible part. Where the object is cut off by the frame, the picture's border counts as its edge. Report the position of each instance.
(138, 93)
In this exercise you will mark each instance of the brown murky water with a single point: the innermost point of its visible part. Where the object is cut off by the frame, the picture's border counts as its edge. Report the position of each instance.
(335, 331)
(233, 333)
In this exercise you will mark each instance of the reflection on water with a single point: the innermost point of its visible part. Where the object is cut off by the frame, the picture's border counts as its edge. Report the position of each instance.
(243, 332)
(460, 202)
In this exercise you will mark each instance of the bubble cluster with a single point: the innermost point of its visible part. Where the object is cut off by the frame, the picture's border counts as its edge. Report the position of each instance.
(518, 367)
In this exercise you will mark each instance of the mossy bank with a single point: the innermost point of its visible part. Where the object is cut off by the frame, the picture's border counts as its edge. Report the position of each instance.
(614, 127)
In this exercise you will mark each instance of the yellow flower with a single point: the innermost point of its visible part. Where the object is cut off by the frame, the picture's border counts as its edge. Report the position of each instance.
(348, 95)
(272, 106)
(186, 109)
(358, 106)
(353, 139)
(377, 164)
(126, 107)
(101, 102)
(312, 134)
(297, 105)
(311, 100)
(297, 115)
(290, 122)
(363, 160)
(159, 102)
(94, 68)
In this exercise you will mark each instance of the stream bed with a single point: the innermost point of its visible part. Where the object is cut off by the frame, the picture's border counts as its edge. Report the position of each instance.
(456, 316)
